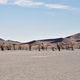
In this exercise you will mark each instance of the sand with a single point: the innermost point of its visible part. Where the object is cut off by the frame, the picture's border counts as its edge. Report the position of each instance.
(44, 65)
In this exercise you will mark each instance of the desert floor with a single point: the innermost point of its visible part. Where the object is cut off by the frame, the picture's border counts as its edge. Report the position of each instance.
(44, 65)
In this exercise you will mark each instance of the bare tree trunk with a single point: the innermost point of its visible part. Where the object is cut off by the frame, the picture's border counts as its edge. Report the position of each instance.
(19, 48)
(79, 46)
(72, 48)
(58, 47)
(52, 48)
(46, 48)
(14, 48)
(2, 48)
(30, 47)
(42, 46)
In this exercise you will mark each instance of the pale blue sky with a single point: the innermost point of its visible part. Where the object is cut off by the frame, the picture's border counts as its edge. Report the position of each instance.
(26, 20)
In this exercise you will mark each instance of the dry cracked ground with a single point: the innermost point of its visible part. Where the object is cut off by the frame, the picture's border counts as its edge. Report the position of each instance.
(44, 65)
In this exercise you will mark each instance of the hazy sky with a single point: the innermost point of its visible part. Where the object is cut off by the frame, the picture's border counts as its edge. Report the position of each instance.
(26, 20)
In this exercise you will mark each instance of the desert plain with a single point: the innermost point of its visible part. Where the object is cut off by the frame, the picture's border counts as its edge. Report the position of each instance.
(40, 65)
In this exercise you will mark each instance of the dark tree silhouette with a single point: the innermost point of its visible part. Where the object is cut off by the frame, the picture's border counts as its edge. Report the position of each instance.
(30, 47)
(79, 46)
(52, 48)
(58, 47)
(2, 48)
(42, 46)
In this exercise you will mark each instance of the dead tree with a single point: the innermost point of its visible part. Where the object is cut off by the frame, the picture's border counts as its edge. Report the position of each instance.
(46, 48)
(72, 48)
(19, 48)
(30, 47)
(14, 46)
(2, 48)
(79, 46)
(42, 46)
(58, 47)
(67, 46)
(52, 48)
(8, 47)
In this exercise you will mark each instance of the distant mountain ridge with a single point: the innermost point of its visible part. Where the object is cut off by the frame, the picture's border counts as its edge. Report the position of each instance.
(2, 41)
(73, 38)
(54, 40)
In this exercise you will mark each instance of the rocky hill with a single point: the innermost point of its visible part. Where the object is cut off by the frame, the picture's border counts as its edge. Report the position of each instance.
(2, 41)
(73, 38)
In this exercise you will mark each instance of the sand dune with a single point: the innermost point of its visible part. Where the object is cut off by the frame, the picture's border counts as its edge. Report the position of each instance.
(44, 65)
